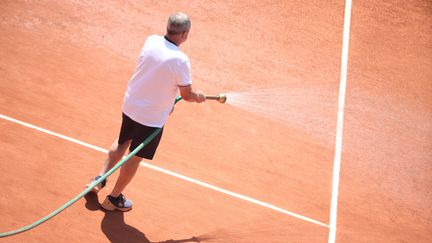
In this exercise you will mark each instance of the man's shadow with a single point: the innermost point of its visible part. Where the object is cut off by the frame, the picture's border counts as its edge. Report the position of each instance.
(115, 228)
(113, 224)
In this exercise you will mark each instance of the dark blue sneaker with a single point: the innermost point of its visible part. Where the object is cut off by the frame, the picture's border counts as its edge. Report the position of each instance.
(119, 203)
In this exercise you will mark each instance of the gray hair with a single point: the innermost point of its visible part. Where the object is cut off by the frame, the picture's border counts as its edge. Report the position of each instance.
(178, 23)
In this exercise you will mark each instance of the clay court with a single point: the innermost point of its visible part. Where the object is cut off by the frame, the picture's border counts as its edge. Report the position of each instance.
(221, 174)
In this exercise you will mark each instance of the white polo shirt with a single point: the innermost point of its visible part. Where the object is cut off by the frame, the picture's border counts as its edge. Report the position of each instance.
(151, 91)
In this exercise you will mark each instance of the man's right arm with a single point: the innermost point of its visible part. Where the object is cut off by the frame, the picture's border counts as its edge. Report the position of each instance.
(188, 94)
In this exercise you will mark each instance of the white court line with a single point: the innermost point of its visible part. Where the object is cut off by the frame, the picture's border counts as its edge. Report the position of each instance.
(156, 168)
(340, 120)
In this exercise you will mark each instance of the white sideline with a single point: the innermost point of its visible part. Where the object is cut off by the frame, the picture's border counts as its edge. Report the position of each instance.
(340, 120)
(156, 168)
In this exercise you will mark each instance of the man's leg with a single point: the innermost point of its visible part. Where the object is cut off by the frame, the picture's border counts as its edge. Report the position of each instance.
(115, 154)
(127, 172)
(116, 200)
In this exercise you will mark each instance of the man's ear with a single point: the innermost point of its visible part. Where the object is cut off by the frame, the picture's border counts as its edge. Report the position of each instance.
(184, 34)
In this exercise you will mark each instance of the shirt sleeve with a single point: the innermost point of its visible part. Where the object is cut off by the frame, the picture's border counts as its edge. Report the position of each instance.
(184, 74)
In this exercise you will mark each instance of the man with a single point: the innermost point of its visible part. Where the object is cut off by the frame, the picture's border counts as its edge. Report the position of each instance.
(161, 71)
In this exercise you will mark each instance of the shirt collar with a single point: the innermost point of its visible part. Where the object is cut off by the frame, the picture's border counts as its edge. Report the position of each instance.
(170, 41)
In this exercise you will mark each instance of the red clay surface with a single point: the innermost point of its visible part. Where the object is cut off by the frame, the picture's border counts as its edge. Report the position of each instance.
(64, 66)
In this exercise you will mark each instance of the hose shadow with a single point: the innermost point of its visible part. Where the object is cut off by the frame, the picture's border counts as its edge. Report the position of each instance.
(115, 228)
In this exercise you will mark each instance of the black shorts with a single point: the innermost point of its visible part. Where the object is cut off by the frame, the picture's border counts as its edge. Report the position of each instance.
(132, 130)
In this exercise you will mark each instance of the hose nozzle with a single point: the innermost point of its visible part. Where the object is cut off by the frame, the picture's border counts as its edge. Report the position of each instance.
(221, 97)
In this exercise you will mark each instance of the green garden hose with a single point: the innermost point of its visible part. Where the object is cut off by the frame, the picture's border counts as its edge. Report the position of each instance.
(88, 189)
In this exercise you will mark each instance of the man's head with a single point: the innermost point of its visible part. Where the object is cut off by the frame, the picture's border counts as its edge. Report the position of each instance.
(178, 27)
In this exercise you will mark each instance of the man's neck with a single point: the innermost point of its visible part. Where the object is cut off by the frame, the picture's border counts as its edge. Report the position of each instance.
(171, 40)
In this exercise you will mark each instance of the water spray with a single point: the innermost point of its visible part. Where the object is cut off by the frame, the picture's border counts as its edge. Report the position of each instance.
(221, 97)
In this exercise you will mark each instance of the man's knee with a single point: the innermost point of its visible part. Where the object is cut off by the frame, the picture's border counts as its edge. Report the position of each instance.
(115, 154)
(134, 161)
(118, 150)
